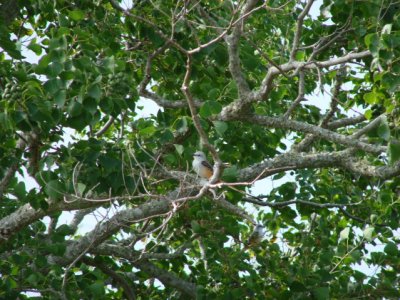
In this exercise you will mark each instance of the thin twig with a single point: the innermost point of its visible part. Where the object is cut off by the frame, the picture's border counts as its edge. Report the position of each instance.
(299, 28)
(196, 121)
(300, 95)
(259, 201)
(102, 130)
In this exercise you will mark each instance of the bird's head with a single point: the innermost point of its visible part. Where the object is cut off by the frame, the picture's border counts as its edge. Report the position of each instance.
(199, 155)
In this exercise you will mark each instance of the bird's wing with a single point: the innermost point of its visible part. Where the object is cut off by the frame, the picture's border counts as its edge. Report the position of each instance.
(207, 165)
(207, 170)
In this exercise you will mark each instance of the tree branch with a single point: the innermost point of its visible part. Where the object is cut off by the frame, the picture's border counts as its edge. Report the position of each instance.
(104, 230)
(235, 210)
(300, 96)
(9, 174)
(196, 121)
(345, 122)
(102, 130)
(167, 278)
(26, 215)
(273, 71)
(309, 139)
(119, 279)
(319, 132)
(299, 28)
(339, 159)
(125, 252)
(232, 42)
(259, 201)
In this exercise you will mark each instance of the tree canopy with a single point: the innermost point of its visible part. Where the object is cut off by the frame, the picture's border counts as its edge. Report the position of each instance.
(233, 79)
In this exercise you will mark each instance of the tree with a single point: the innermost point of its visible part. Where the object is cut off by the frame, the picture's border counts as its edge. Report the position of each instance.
(232, 79)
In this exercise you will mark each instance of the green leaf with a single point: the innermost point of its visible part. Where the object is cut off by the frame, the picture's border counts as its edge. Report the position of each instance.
(37, 49)
(41, 68)
(60, 97)
(300, 55)
(109, 64)
(210, 108)
(20, 190)
(230, 174)
(52, 86)
(74, 108)
(76, 15)
(367, 233)
(97, 288)
(81, 188)
(195, 226)
(386, 29)
(344, 234)
(321, 293)
(297, 286)
(64, 230)
(384, 130)
(9, 46)
(181, 124)
(179, 149)
(288, 190)
(54, 189)
(95, 91)
(391, 82)
(220, 127)
(54, 69)
(90, 105)
(213, 94)
(371, 98)
(391, 249)
(147, 131)
(394, 151)
(372, 42)
(368, 114)
(166, 136)
(5, 121)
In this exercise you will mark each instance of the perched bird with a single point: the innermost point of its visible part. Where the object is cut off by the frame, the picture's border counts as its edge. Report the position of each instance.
(201, 166)
(255, 237)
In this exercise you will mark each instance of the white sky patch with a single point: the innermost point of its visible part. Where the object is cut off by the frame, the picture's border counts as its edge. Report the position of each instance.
(146, 107)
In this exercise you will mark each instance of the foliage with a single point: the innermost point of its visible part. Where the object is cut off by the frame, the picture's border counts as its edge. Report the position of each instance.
(230, 77)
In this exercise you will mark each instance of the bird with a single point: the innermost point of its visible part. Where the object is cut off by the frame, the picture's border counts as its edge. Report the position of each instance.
(256, 236)
(201, 166)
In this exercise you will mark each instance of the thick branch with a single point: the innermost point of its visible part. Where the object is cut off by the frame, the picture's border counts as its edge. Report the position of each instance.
(167, 278)
(232, 42)
(104, 230)
(26, 214)
(167, 103)
(141, 261)
(78, 217)
(119, 279)
(235, 210)
(236, 107)
(127, 252)
(345, 122)
(340, 159)
(323, 133)
(258, 201)
(266, 84)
